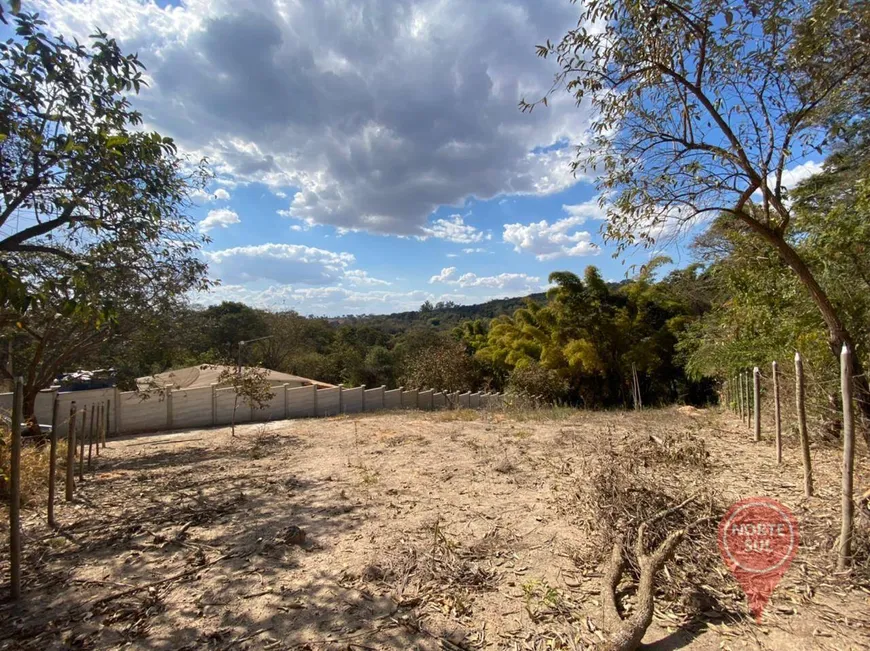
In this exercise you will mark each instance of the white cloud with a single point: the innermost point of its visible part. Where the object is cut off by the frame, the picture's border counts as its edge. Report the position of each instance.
(373, 121)
(285, 263)
(201, 196)
(454, 229)
(505, 281)
(221, 218)
(446, 274)
(561, 238)
(477, 250)
(791, 177)
(359, 277)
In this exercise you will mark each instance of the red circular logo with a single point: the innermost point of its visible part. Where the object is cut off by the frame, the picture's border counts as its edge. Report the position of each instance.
(758, 538)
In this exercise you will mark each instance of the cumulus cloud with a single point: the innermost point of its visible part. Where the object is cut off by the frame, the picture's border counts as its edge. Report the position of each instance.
(285, 263)
(446, 274)
(562, 238)
(366, 118)
(474, 250)
(505, 281)
(454, 229)
(202, 196)
(791, 177)
(221, 218)
(359, 277)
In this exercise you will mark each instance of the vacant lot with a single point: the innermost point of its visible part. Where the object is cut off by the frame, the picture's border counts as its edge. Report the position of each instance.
(422, 531)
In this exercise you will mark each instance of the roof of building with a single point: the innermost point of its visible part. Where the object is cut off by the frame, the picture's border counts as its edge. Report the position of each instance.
(207, 374)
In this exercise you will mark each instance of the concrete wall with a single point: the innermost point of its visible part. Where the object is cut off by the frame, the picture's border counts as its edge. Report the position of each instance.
(131, 411)
(191, 407)
(374, 399)
(393, 399)
(424, 399)
(352, 400)
(328, 402)
(409, 399)
(301, 402)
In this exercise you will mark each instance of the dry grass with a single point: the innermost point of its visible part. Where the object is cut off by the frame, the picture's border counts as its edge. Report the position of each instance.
(442, 530)
(34, 469)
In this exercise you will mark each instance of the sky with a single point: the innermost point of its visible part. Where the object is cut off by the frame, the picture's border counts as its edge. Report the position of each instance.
(369, 154)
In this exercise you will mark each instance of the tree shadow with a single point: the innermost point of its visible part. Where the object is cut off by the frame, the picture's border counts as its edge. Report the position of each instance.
(193, 548)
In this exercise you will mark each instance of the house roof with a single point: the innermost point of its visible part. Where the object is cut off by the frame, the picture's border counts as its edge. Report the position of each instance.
(205, 375)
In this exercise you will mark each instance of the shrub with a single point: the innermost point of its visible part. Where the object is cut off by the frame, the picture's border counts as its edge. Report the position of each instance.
(532, 379)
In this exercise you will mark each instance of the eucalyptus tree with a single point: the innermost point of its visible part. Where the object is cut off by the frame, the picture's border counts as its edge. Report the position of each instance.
(701, 107)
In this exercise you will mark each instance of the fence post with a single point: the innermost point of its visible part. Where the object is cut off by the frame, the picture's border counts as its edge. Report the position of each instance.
(117, 411)
(777, 412)
(95, 430)
(168, 406)
(108, 420)
(844, 558)
(314, 402)
(747, 400)
(214, 403)
(363, 399)
(82, 442)
(52, 462)
(800, 395)
(15, 491)
(71, 453)
(740, 394)
(756, 405)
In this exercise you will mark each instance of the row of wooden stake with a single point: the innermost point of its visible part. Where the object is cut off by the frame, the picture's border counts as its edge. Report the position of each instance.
(739, 397)
(92, 431)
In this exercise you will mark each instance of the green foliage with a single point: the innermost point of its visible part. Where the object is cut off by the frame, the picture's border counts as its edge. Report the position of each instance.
(590, 334)
(532, 380)
(251, 385)
(446, 368)
(91, 185)
(761, 311)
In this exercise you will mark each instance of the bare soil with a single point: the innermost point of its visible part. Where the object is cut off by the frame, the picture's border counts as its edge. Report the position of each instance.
(453, 530)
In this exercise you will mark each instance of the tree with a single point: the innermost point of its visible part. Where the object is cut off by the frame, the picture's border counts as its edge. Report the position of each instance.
(79, 180)
(63, 332)
(700, 107)
(231, 322)
(250, 383)
(444, 368)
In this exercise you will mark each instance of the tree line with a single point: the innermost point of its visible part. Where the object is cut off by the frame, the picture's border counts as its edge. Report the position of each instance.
(699, 111)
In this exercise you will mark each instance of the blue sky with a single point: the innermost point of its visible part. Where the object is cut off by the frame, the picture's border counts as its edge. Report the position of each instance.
(369, 154)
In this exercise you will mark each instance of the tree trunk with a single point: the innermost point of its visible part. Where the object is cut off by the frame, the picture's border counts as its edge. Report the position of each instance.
(838, 335)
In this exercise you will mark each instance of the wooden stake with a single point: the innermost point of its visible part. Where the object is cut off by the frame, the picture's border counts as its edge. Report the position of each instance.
(71, 453)
(800, 397)
(777, 412)
(95, 425)
(84, 433)
(756, 403)
(52, 462)
(15, 491)
(844, 558)
(108, 416)
(740, 394)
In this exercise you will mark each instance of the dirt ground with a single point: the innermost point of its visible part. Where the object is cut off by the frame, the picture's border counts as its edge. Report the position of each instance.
(453, 530)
